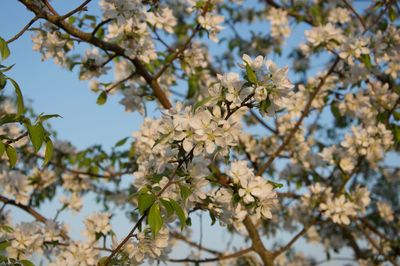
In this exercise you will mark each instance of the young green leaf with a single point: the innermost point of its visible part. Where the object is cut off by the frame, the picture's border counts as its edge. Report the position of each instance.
(10, 118)
(4, 50)
(366, 59)
(179, 212)
(251, 75)
(20, 100)
(36, 134)
(47, 117)
(185, 191)
(121, 142)
(12, 155)
(2, 148)
(3, 81)
(26, 263)
(4, 244)
(145, 201)
(201, 103)
(102, 98)
(48, 152)
(154, 219)
(194, 86)
(168, 206)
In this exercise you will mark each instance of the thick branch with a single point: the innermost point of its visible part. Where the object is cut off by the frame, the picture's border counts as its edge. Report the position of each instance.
(90, 38)
(258, 246)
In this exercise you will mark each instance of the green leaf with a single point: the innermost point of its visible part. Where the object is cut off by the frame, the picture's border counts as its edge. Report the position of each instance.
(48, 152)
(160, 140)
(36, 134)
(102, 98)
(366, 59)
(47, 117)
(12, 155)
(185, 191)
(5, 69)
(179, 212)
(264, 105)
(9, 118)
(121, 142)
(392, 14)
(6, 228)
(102, 261)
(3, 81)
(251, 75)
(155, 220)
(194, 86)
(20, 100)
(275, 185)
(168, 206)
(396, 133)
(145, 201)
(4, 244)
(2, 148)
(201, 103)
(4, 50)
(26, 263)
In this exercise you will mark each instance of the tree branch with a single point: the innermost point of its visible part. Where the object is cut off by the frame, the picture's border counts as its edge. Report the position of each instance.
(19, 34)
(299, 122)
(257, 245)
(31, 211)
(106, 46)
(219, 258)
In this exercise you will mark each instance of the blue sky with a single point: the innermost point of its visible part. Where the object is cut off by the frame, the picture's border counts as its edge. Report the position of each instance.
(56, 90)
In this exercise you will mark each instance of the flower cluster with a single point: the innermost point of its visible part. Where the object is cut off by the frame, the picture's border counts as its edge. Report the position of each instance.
(266, 84)
(97, 223)
(149, 247)
(16, 185)
(279, 23)
(51, 44)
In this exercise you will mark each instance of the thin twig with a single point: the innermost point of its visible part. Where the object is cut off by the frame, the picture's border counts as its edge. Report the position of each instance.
(355, 13)
(119, 82)
(19, 34)
(139, 222)
(100, 25)
(72, 12)
(299, 122)
(194, 244)
(177, 53)
(223, 257)
(17, 138)
(31, 211)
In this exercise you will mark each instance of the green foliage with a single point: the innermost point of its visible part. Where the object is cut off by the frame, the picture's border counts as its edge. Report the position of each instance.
(2, 148)
(251, 75)
(102, 98)
(179, 212)
(121, 142)
(366, 59)
(4, 50)
(185, 191)
(48, 152)
(154, 219)
(145, 200)
(12, 155)
(20, 100)
(194, 87)
(37, 135)
(201, 103)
